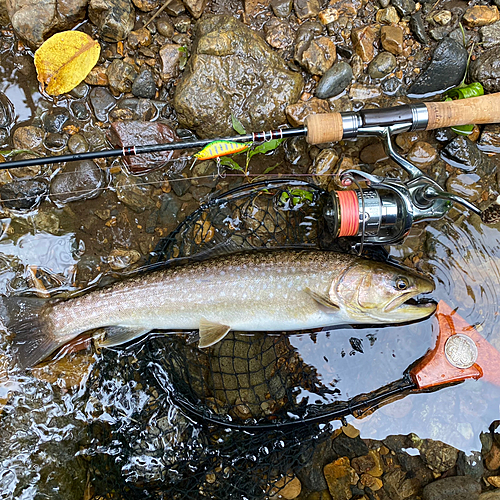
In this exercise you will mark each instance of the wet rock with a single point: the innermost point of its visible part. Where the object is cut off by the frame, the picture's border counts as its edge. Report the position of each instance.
(345, 446)
(392, 86)
(180, 184)
(370, 464)
(398, 486)
(357, 66)
(486, 70)
(135, 109)
(461, 152)
(442, 17)
(29, 137)
(78, 144)
(445, 70)
(121, 75)
(243, 62)
(55, 141)
(97, 76)
(359, 92)
(392, 39)
(282, 8)
(79, 110)
(438, 456)
(311, 474)
(34, 21)
(490, 495)
(6, 111)
(165, 27)
(278, 34)
(175, 8)
(121, 258)
(489, 142)
(288, 487)
(146, 5)
(481, 15)
(102, 103)
(334, 81)
(304, 36)
(417, 27)
(453, 488)
(324, 168)
(133, 192)
(182, 23)
(328, 16)
(319, 56)
(492, 457)
(422, 154)
(144, 85)
(298, 112)
(388, 16)
(55, 118)
(140, 38)
(383, 64)
(373, 153)
(490, 35)
(114, 18)
(195, 7)
(136, 133)
(363, 40)
(170, 55)
(24, 194)
(78, 180)
(305, 9)
(404, 7)
(470, 465)
(340, 476)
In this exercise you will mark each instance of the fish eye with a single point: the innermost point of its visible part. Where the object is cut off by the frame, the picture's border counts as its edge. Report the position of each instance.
(401, 283)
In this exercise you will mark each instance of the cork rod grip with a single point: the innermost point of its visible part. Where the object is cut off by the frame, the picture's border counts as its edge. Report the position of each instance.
(324, 127)
(475, 110)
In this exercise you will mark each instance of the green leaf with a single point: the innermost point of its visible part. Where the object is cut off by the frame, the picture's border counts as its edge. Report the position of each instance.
(463, 129)
(296, 195)
(270, 169)
(12, 152)
(229, 162)
(237, 125)
(472, 90)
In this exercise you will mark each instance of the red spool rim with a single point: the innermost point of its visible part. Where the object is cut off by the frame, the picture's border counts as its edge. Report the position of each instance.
(349, 213)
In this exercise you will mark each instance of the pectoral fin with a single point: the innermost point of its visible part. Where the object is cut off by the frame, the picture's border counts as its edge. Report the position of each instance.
(117, 335)
(322, 299)
(211, 333)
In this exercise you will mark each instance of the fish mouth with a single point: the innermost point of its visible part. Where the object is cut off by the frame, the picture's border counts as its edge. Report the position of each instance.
(411, 304)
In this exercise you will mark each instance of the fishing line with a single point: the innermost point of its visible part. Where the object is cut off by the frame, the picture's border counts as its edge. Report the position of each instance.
(162, 181)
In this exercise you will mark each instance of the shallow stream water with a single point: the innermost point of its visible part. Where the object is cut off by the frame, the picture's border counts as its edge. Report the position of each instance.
(60, 421)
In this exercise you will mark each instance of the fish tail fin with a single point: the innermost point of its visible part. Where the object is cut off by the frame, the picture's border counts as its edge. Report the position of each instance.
(26, 319)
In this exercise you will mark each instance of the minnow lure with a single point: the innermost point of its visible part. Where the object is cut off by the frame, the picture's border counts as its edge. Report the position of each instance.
(220, 148)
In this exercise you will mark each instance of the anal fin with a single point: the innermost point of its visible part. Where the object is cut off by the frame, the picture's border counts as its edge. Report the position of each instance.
(117, 335)
(211, 333)
(322, 299)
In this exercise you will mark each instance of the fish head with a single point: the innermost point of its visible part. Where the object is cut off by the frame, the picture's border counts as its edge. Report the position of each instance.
(382, 293)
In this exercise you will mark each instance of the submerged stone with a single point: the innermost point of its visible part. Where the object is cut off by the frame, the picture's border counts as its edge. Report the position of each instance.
(228, 55)
(486, 70)
(114, 18)
(334, 81)
(24, 194)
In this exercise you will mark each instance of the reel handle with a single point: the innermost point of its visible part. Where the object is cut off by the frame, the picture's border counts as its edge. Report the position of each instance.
(333, 127)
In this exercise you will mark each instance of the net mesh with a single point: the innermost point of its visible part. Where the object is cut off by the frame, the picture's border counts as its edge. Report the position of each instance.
(144, 441)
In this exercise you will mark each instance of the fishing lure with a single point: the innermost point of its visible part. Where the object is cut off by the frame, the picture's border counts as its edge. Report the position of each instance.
(220, 148)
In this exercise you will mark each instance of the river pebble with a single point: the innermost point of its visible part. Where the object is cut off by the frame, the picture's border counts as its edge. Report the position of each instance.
(170, 55)
(80, 110)
(391, 38)
(278, 33)
(121, 258)
(6, 111)
(489, 141)
(453, 488)
(486, 70)
(144, 85)
(383, 64)
(54, 141)
(334, 81)
(461, 152)
(29, 137)
(417, 27)
(404, 7)
(114, 18)
(363, 40)
(481, 15)
(77, 143)
(78, 180)
(468, 186)
(319, 56)
(121, 75)
(387, 16)
(340, 476)
(306, 9)
(102, 103)
(24, 194)
(422, 154)
(165, 27)
(490, 35)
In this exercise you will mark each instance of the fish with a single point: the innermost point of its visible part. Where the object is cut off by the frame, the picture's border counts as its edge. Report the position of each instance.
(275, 290)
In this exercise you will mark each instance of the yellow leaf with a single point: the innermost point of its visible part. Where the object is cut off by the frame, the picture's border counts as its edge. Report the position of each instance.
(64, 60)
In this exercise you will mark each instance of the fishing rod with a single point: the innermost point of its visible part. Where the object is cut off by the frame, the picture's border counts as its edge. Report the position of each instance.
(319, 129)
